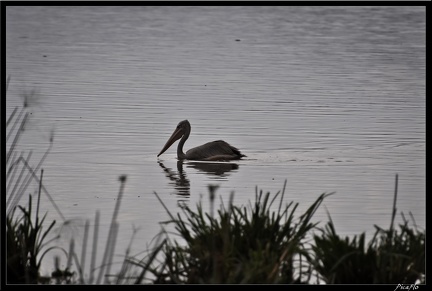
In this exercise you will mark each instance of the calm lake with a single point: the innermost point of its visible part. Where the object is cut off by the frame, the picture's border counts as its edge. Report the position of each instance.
(330, 99)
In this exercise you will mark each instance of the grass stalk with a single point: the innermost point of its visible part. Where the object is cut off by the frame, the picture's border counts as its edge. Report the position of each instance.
(17, 136)
(10, 119)
(111, 230)
(84, 249)
(32, 173)
(94, 249)
(11, 130)
(11, 195)
(34, 176)
(39, 195)
(394, 203)
(111, 250)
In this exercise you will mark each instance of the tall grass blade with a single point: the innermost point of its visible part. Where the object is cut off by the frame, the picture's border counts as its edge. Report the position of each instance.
(10, 119)
(110, 239)
(84, 249)
(17, 136)
(94, 249)
(111, 250)
(394, 203)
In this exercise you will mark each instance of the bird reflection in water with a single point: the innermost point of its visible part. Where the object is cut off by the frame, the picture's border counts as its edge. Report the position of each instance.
(181, 183)
(213, 169)
(178, 180)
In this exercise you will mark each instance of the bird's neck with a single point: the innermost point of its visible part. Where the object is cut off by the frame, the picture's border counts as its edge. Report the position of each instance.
(180, 154)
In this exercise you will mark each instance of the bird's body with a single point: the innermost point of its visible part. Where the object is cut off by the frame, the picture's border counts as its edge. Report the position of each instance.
(212, 151)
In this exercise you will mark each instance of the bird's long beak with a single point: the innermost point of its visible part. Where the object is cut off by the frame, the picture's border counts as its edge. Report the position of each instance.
(177, 134)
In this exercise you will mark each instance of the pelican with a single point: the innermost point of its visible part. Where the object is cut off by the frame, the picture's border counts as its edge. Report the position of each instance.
(212, 151)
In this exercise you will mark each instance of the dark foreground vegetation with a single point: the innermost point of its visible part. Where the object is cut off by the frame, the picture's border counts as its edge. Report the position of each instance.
(264, 242)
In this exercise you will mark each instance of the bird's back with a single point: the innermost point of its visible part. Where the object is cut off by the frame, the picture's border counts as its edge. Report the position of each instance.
(214, 151)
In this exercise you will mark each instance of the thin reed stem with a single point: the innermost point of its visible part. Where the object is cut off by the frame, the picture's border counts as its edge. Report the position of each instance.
(111, 250)
(71, 251)
(112, 226)
(39, 195)
(11, 116)
(15, 123)
(32, 172)
(84, 247)
(7, 82)
(9, 178)
(79, 267)
(17, 136)
(10, 196)
(43, 188)
(94, 249)
(394, 203)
